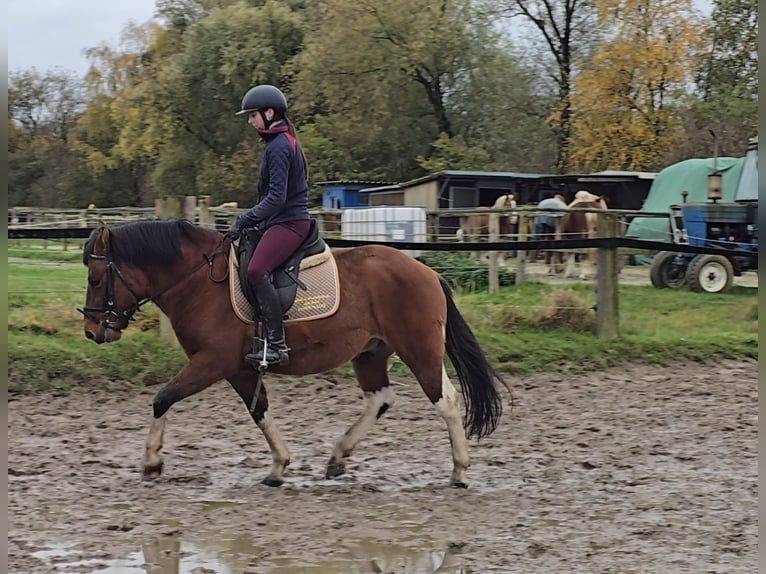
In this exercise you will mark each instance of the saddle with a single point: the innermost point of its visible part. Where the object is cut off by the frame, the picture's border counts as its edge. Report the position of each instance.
(286, 279)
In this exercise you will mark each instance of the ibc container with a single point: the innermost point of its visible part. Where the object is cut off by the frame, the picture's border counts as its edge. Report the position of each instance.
(396, 223)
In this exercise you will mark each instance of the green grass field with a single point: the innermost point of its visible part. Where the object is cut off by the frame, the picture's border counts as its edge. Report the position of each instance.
(523, 329)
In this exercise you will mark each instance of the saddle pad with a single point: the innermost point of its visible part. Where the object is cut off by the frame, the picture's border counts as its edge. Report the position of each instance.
(319, 273)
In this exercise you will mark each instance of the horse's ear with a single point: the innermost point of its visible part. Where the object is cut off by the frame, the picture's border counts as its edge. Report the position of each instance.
(102, 245)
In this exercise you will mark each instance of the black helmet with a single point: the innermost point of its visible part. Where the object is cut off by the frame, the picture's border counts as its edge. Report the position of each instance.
(262, 97)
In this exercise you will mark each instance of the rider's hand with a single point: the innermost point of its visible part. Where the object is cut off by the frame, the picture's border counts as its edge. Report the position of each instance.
(234, 231)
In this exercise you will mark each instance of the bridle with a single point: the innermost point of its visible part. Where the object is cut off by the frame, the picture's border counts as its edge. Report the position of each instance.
(110, 310)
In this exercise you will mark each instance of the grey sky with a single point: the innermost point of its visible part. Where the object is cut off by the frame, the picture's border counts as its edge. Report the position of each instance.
(54, 33)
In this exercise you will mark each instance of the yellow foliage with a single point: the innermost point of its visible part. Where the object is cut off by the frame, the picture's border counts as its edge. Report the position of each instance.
(620, 103)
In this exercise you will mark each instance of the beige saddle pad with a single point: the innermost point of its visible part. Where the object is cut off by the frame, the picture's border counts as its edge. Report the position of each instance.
(320, 275)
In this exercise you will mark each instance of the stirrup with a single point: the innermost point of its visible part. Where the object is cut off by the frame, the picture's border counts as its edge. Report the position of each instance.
(274, 356)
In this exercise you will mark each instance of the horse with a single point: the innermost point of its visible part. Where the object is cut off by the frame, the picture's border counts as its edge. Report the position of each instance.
(388, 303)
(476, 226)
(580, 225)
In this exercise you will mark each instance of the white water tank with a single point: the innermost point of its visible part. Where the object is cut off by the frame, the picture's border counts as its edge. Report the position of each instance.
(395, 223)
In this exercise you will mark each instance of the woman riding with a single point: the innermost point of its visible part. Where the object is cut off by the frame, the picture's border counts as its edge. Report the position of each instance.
(281, 214)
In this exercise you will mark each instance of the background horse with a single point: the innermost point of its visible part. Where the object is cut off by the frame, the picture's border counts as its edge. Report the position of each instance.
(475, 227)
(580, 225)
(389, 303)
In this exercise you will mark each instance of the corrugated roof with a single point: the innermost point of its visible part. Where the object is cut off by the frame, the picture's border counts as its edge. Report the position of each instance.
(354, 182)
(459, 173)
(392, 187)
(605, 176)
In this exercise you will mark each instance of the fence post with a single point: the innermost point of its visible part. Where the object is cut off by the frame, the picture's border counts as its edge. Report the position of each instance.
(607, 309)
(521, 254)
(189, 208)
(494, 232)
(203, 207)
(167, 208)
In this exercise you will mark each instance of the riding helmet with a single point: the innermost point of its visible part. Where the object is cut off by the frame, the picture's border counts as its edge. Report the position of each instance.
(262, 97)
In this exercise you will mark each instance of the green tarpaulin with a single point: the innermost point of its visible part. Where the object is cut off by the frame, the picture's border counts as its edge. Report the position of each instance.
(690, 175)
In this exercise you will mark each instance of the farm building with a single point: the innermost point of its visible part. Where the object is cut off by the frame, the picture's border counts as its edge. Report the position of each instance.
(342, 194)
(455, 190)
(621, 189)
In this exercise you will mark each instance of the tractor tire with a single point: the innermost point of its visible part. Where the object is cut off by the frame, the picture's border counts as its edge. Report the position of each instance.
(666, 272)
(710, 274)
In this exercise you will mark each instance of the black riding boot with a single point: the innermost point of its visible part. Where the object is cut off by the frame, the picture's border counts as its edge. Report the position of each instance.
(271, 312)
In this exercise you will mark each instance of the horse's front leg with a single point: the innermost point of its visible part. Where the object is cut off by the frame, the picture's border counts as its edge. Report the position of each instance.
(152, 458)
(245, 384)
(197, 375)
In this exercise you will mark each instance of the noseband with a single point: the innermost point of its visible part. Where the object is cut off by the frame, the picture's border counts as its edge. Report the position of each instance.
(110, 309)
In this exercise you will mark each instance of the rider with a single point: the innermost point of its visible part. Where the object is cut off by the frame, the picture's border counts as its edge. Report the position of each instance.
(281, 213)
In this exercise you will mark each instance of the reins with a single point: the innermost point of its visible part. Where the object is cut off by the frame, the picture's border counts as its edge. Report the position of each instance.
(112, 270)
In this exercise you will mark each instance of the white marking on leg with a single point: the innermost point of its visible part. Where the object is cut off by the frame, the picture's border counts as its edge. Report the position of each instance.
(152, 456)
(373, 402)
(570, 265)
(280, 455)
(449, 408)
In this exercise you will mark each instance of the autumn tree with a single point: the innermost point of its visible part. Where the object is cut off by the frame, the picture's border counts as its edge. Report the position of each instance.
(623, 103)
(43, 108)
(566, 32)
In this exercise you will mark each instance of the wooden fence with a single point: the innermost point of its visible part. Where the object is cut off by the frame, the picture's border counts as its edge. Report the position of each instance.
(611, 223)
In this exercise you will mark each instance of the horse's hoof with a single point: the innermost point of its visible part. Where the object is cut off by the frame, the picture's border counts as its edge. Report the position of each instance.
(152, 472)
(335, 469)
(459, 484)
(269, 481)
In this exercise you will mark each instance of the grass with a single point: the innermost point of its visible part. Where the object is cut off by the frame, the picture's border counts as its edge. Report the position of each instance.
(523, 329)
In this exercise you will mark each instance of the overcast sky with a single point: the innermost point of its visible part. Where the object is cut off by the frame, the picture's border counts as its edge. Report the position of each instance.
(54, 33)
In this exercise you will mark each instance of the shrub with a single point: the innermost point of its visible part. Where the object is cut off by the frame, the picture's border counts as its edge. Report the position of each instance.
(564, 308)
(463, 273)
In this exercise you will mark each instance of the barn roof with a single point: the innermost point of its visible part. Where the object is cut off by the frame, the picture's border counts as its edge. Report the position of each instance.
(474, 174)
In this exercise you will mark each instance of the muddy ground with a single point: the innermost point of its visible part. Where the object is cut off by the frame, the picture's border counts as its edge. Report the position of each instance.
(639, 469)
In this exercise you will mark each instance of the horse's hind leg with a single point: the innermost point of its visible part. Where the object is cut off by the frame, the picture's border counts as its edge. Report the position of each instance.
(245, 385)
(428, 367)
(371, 368)
(448, 407)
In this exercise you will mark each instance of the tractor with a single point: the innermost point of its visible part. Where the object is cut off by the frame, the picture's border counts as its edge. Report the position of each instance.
(731, 227)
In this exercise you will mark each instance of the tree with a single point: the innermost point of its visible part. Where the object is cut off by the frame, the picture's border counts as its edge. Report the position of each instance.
(42, 111)
(387, 82)
(727, 97)
(568, 30)
(623, 104)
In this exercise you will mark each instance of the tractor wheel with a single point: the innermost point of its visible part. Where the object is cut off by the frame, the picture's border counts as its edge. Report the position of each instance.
(710, 274)
(668, 271)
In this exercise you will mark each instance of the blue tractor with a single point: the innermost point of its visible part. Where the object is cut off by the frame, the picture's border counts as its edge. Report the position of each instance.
(731, 227)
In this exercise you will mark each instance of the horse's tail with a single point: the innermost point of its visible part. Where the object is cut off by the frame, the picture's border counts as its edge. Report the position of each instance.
(483, 404)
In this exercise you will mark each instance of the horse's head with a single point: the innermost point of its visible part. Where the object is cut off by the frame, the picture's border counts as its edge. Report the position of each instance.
(583, 196)
(112, 297)
(506, 200)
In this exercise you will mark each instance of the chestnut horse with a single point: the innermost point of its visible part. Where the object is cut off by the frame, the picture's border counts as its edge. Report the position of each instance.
(389, 303)
(580, 225)
(475, 227)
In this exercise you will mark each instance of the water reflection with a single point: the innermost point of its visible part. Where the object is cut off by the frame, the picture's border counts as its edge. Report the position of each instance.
(239, 555)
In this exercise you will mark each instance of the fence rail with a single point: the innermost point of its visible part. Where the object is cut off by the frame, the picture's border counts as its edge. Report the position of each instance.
(37, 223)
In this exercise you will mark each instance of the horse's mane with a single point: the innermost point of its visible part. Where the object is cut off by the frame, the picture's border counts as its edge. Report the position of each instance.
(154, 242)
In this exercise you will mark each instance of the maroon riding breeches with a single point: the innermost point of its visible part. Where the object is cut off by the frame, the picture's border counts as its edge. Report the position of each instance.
(277, 244)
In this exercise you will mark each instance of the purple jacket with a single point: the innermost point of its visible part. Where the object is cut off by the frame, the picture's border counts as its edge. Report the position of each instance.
(282, 187)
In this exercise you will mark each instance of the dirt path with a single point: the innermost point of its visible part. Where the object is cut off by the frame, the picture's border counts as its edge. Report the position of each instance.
(641, 469)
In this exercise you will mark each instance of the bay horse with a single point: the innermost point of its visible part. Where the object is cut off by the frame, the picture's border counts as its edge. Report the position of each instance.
(580, 225)
(475, 227)
(389, 303)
